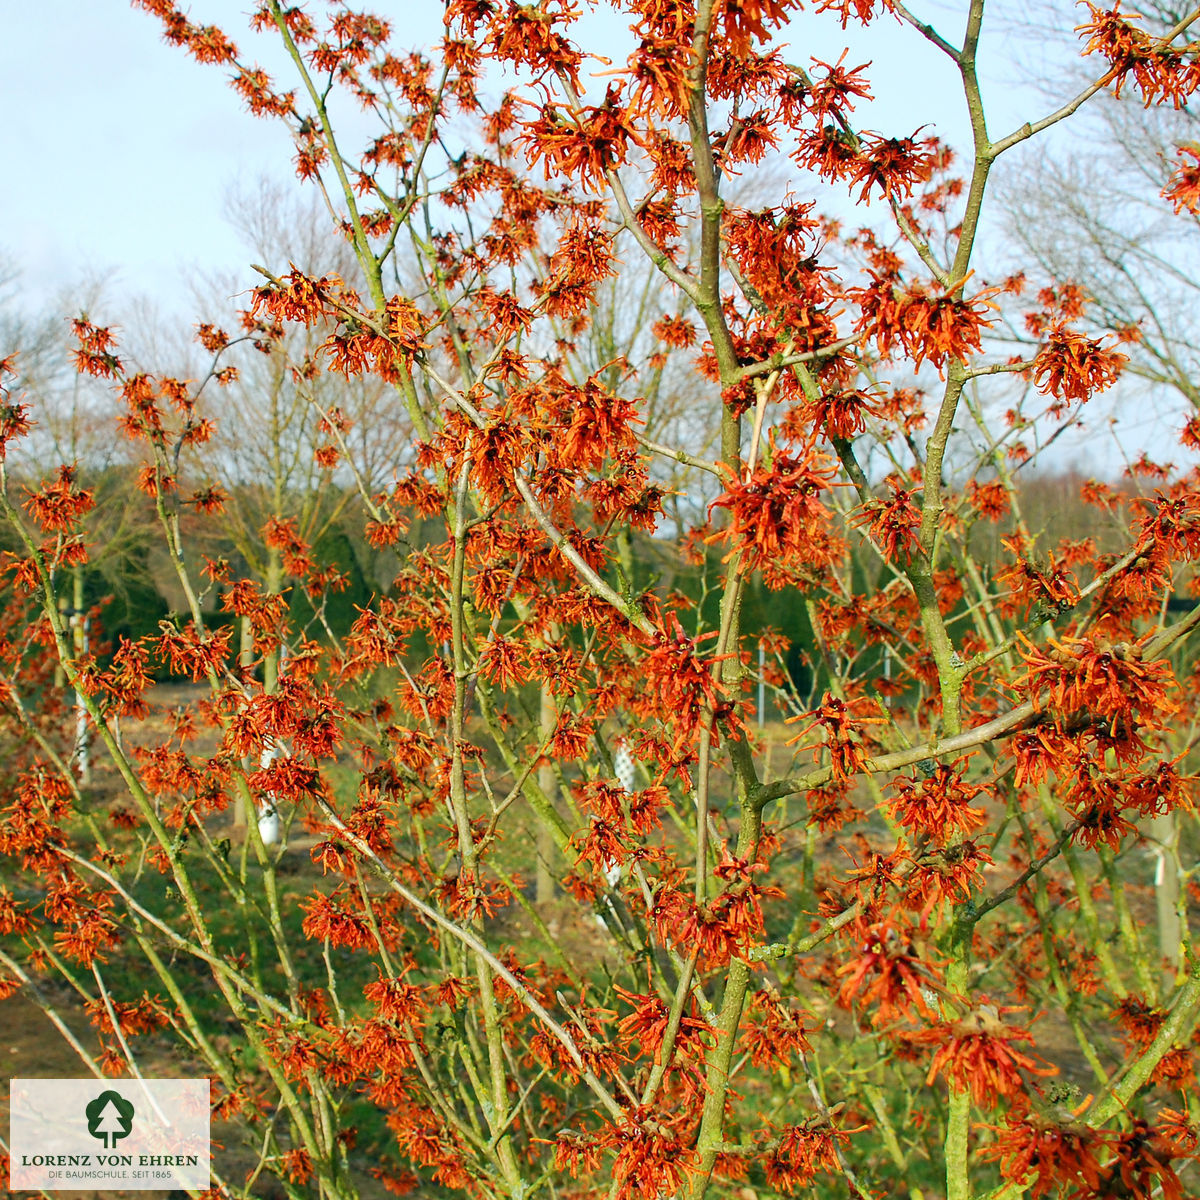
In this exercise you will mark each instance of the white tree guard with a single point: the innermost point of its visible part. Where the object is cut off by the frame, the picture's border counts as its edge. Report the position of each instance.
(624, 766)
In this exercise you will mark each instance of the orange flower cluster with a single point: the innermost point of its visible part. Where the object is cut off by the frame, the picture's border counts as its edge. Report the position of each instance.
(777, 520)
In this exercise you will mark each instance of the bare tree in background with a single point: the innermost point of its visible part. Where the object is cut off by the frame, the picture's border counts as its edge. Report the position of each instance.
(1097, 217)
(72, 424)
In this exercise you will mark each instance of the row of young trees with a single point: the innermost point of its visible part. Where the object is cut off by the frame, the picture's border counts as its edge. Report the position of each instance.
(554, 373)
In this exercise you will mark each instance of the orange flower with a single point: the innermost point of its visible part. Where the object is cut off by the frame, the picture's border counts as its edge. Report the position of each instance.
(977, 1053)
(1114, 681)
(938, 806)
(58, 506)
(844, 723)
(887, 972)
(1055, 1154)
(774, 1033)
(802, 1152)
(777, 516)
(893, 523)
(651, 1158)
(1073, 367)
(1183, 187)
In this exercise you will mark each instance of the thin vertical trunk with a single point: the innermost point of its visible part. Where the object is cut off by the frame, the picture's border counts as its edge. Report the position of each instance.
(274, 583)
(1164, 833)
(60, 676)
(549, 786)
(246, 662)
(83, 758)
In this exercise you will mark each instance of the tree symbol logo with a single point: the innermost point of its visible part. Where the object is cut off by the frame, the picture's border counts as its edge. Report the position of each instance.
(109, 1117)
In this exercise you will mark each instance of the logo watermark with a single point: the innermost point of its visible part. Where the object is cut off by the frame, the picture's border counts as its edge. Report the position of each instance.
(90, 1134)
(109, 1117)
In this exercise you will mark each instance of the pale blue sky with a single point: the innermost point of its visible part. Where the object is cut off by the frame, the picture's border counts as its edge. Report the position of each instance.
(118, 150)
